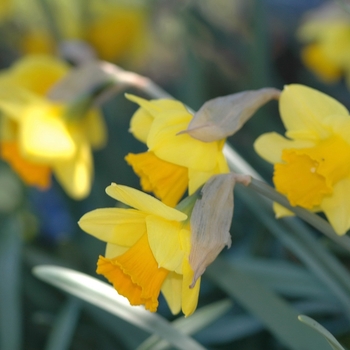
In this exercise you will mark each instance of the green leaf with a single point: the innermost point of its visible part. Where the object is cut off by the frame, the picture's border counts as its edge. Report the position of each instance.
(104, 296)
(323, 331)
(62, 333)
(10, 286)
(298, 238)
(285, 278)
(275, 313)
(190, 325)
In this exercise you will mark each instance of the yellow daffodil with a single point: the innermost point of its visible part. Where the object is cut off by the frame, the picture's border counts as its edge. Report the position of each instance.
(114, 30)
(173, 161)
(36, 136)
(148, 248)
(312, 165)
(327, 35)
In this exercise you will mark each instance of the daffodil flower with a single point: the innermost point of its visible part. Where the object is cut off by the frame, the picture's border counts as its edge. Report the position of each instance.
(36, 138)
(173, 161)
(326, 33)
(312, 165)
(113, 30)
(148, 248)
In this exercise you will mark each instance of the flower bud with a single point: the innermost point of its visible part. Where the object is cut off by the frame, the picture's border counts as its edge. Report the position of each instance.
(223, 116)
(211, 220)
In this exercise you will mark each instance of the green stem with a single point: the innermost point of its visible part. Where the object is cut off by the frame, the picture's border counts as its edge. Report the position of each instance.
(311, 218)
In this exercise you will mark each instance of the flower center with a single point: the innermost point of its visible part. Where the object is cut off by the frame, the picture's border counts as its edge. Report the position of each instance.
(309, 174)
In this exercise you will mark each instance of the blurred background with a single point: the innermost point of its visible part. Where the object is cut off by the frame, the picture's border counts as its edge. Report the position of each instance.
(195, 50)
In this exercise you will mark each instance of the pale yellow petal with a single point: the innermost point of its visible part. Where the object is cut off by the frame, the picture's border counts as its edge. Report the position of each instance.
(164, 240)
(337, 207)
(197, 179)
(38, 73)
(75, 175)
(303, 108)
(270, 146)
(123, 227)
(14, 100)
(172, 291)
(281, 211)
(44, 137)
(317, 61)
(95, 129)
(156, 107)
(140, 124)
(183, 150)
(339, 124)
(144, 202)
(189, 295)
(113, 250)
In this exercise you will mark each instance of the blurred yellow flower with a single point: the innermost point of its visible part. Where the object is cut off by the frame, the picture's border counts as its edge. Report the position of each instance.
(326, 32)
(312, 165)
(36, 137)
(114, 30)
(148, 248)
(173, 162)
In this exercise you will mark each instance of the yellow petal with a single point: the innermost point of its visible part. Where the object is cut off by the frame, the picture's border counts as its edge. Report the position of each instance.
(172, 291)
(44, 137)
(340, 125)
(95, 129)
(115, 32)
(164, 240)
(281, 211)
(303, 108)
(316, 60)
(113, 250)
(337, 207)
(180, 149)
(8, 129)
(140, 124)
(198, 178)
(14, 100)
(166, 180)
(144, 202)
(142, 119)
(270, 146)
(32, 174)
(75, 175)
(38, 73)
(156, 107)
(189, 295)
(119, 226)
(36, 41)
(135, 274)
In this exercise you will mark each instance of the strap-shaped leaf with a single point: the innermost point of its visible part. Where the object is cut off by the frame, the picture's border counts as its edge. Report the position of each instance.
(323, 331)
(104, 296)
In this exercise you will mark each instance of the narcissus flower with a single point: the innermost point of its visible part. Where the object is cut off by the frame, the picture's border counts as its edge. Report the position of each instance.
(326, 32)
(148, 248)
(114, 31)
(173, 161)
(36, 137)
(312, 165)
